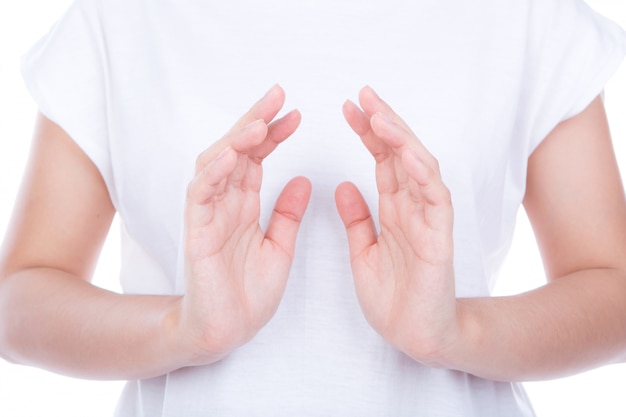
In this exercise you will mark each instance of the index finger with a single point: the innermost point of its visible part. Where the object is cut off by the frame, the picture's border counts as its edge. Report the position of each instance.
(265, 109)
(391, 128)
(371, 103)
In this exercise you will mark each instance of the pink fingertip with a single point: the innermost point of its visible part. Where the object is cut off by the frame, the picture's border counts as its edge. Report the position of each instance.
(293, 113)
(272, 89)
(370, 90)
(347, 104)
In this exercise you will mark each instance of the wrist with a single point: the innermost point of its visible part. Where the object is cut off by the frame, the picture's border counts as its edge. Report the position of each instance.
(467, 337)
(181, 346)
(189, 341)
(470, 341)
(440, 343)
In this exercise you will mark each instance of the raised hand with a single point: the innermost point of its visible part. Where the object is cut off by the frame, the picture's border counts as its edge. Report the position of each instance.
(236, 273)
(403, 274)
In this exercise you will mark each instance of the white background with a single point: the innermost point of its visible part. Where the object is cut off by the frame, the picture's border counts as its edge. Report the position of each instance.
(31, 392)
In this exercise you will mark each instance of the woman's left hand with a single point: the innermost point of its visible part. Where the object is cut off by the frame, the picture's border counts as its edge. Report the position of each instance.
(404, 275)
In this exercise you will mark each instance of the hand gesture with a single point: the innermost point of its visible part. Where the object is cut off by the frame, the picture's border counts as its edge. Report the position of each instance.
(235, 273)
(403, 275)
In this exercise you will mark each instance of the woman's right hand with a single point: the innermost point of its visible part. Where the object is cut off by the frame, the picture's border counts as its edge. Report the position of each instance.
(235, 273)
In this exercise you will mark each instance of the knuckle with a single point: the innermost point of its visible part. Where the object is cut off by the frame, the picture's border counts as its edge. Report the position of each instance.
(195, 193)
(201, 161)
(208, 155)
(446, 195)
(191, 190)
(436, 165)
(381, 156)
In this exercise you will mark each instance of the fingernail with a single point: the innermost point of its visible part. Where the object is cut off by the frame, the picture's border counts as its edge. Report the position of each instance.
(274, 87)
(253, 124)
(349, 103)
(385, 118)
(221, 154)
(369, 87)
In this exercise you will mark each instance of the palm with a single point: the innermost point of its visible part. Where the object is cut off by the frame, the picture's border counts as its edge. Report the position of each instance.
(403, 275)
(236, 273)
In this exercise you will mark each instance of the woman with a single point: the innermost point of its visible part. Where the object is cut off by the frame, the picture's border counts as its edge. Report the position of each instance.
(502, 97)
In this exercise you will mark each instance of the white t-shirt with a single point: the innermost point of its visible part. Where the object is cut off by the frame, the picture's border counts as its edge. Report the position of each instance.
(143, 86)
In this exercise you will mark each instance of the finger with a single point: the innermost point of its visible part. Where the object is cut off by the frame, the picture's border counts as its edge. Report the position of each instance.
(266, 108)
(243, 142)
(248, 173)
(386, 180)
(432, 187)
(400, 139)
(360, 123)
(240, 140)
(210, 181)
(371, 103)
(429, 188)
(356, 218)
(277, 132)
(263, 111)
(287, 215)
(382, 114)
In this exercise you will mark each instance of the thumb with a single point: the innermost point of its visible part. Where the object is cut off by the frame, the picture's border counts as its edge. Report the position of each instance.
(285, 220)
(356, 218)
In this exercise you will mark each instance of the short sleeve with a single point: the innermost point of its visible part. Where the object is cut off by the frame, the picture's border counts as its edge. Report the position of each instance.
(573, 51)
(65, 72)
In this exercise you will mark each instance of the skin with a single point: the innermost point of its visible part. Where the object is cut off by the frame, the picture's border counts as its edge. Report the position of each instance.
(236, 272)
(404, 275)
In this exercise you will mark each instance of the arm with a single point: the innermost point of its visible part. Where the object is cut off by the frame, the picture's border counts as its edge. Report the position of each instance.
(575, 201)
(52, 317)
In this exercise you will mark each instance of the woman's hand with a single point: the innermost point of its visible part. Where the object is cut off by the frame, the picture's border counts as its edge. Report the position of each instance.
(235, 273)
(403, 275)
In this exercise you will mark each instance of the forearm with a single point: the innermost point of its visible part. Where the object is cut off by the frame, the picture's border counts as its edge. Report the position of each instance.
(570, 325)
(55, 321)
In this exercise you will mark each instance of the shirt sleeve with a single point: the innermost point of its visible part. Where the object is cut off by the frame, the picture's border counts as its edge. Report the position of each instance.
(65, 72)
(572, 53)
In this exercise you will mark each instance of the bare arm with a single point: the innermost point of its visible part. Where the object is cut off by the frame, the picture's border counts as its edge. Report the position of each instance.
(575, 201)
(404, 275)
(52, 317)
